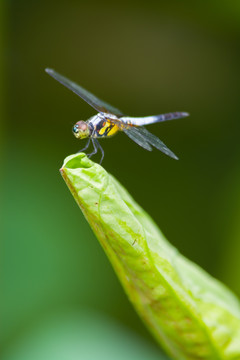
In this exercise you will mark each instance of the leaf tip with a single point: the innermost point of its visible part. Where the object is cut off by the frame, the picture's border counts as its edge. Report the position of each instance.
(76, 161)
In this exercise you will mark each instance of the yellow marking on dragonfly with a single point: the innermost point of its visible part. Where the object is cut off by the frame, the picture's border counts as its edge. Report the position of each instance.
(108, 128)
(113, 130)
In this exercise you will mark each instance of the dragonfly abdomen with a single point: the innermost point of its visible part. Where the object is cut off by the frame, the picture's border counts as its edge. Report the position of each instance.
(147, 120)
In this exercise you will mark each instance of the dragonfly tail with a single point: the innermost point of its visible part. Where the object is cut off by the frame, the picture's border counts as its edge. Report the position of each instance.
(147, 120)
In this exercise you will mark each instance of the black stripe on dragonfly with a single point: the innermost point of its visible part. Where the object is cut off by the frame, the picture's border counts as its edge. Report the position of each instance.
(110, 120)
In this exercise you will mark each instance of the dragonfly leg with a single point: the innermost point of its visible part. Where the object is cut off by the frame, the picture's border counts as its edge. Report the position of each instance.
(101, 149)
(95, 148)
(85, 147)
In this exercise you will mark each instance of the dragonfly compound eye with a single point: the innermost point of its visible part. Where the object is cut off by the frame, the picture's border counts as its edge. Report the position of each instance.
(75, 129)
(81, 130)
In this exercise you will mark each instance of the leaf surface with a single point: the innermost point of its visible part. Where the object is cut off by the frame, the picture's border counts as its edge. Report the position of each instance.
(191, 314)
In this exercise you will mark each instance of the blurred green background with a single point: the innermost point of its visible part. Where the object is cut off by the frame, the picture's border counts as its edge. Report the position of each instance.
(61, 299)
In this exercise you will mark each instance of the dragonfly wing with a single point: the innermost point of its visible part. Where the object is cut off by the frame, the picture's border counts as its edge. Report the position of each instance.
(136, 136)
(91, 99)
(156, 142)
(143, 137)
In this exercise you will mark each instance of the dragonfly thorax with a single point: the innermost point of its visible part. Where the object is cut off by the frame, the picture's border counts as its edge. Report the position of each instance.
(81, 130)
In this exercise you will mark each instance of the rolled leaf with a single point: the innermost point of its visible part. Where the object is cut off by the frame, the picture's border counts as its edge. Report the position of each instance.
(191, 314)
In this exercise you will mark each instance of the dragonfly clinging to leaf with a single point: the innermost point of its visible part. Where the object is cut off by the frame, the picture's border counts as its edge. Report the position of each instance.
(110, 120)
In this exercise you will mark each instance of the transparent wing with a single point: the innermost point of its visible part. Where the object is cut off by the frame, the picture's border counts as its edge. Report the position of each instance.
(156, 142)
(136, 136)
(91, 99)
(144, 138)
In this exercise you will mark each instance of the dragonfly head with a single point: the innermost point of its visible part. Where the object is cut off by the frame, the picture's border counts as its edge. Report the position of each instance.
(81, 130)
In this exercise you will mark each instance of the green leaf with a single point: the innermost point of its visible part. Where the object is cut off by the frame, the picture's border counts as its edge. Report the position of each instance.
(192, 315)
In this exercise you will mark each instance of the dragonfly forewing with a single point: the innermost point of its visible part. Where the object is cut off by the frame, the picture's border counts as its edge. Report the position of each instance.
(92, 100)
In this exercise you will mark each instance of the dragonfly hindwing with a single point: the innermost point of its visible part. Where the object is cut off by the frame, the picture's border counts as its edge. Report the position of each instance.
(136, 136)
(156, 142)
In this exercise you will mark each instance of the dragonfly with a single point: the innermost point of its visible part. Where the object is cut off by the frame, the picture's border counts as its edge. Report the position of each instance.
(109, 120)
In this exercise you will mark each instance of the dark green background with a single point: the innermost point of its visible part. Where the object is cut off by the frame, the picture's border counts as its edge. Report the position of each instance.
(144, 58)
